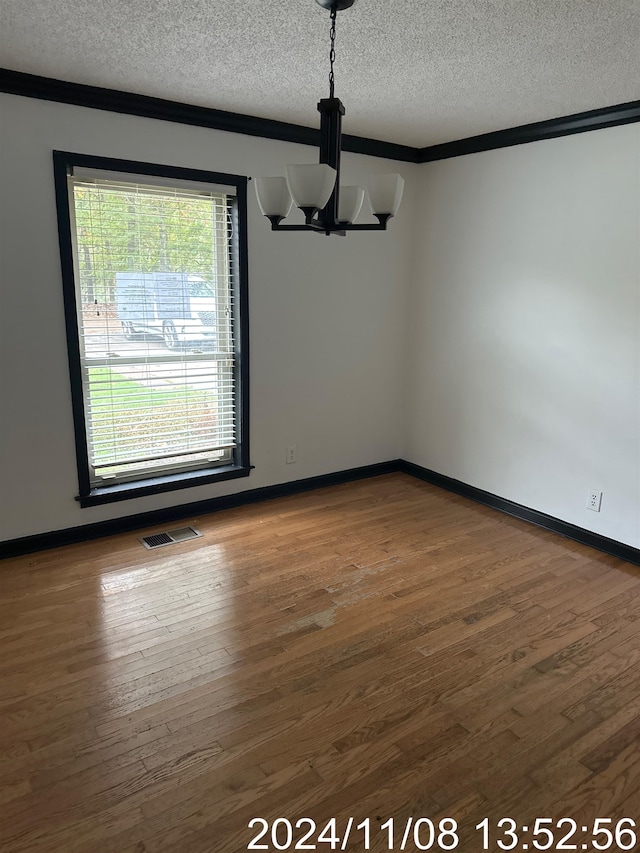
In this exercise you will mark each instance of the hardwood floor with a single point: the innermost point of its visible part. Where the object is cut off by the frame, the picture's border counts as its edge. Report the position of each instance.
(382, 649)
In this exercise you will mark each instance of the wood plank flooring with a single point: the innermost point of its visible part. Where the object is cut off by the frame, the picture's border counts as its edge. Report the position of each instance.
(382, 649)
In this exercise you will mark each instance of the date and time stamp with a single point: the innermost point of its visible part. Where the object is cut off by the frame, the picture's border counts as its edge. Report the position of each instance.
(422, 833)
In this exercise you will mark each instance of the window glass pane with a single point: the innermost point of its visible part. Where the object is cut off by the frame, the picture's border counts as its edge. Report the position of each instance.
(155, 306)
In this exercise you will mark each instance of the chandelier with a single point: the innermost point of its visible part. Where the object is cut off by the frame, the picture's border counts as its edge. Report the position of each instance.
(328, 207)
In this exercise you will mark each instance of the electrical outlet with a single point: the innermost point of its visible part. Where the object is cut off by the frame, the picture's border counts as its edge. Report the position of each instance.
(594, 500)
(291, 454)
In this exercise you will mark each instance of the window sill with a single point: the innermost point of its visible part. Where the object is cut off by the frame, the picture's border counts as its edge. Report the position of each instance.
(165, 483)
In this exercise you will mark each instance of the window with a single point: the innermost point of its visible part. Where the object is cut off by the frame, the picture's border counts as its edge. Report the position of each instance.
(155, 287)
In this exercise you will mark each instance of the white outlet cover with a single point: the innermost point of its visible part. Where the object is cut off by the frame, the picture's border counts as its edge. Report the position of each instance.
(594, 500)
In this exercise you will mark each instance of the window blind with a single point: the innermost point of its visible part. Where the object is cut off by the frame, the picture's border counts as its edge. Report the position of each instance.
(154, 292)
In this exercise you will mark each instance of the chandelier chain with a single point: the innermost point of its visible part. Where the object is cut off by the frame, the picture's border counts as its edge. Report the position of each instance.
(332, 52)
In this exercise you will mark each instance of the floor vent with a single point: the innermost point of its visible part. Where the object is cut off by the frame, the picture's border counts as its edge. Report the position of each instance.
(159, 540)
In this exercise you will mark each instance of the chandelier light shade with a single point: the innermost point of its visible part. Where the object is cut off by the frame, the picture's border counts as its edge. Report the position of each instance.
(351, 200)
(328, 207)
(311, 185)
(274, 198)
(385, 193)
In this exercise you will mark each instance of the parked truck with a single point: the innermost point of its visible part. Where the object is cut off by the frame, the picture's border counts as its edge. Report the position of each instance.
(179, 307)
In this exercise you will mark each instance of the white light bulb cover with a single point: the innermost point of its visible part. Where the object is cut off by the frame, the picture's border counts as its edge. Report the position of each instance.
(385, 193)
(274, 198)
(350, 203)
(311, 185)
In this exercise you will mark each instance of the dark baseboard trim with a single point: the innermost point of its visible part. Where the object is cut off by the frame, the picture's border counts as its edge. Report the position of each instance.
(535, 132)
(129, 103)
(86, 532)
(541, 519)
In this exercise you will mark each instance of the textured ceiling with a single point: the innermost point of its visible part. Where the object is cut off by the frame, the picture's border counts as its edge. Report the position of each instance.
(417, 72)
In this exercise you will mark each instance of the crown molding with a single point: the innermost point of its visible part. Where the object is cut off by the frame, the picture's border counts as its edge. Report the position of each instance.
(129, 103)
(535, 132)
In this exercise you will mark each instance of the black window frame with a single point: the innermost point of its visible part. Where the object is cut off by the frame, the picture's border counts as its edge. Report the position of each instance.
(64, 163)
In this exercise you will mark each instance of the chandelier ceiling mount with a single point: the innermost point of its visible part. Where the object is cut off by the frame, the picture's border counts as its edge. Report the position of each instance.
(339, 5)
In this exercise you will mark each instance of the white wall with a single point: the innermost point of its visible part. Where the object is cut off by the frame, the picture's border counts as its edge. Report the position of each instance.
(493, 334)
(524, 321)
(326, 314)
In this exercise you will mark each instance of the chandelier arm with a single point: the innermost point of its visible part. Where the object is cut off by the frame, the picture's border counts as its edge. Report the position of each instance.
(315, 227)
(337, 228)
(379, 226)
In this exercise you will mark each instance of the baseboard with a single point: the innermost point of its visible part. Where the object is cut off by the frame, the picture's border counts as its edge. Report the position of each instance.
(86, 532)
(541, 519)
